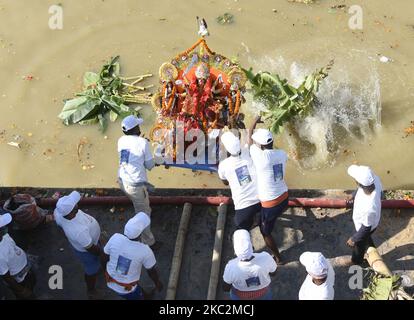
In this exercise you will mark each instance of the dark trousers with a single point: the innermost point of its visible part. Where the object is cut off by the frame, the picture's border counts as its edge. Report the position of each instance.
(244, 218)
(29, 282)
(361, 247)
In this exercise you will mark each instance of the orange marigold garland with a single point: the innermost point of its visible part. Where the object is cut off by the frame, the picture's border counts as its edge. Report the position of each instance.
(167, 106)
(230, 100)
(186, 52)
(237, 107)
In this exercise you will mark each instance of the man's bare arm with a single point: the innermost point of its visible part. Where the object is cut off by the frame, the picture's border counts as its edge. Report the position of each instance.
(252, 128)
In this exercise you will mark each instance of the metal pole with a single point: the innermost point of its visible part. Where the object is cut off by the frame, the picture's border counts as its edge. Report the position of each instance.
(201, 200)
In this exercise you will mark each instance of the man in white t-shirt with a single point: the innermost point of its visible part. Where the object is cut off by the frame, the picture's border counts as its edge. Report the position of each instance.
(238, 172)
(135, 158)
(15, 269)
(270, 167)
(126, 256)
(247, 277)
(83, 233)
(366, 213)
(319, 283)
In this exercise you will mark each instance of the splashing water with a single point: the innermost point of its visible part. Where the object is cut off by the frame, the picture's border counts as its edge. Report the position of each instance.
(349, 110)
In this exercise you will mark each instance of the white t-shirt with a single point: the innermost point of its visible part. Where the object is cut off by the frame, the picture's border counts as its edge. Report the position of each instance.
(82, 231)
(250, 275)
(12, 259)
(240, 173)
(367, 208)
(270, 169)
(133, 151)
(325, 291)
(126, 260)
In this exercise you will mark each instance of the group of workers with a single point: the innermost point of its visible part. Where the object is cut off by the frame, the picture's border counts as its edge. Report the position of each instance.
(256, 176)
(256, 179)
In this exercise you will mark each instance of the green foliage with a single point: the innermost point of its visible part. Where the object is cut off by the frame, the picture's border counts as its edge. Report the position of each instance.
(226, 18)
(381, 287)
(103, 93)
(283, 102)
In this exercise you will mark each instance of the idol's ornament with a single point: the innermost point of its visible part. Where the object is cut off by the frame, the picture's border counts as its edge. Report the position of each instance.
(199, 89)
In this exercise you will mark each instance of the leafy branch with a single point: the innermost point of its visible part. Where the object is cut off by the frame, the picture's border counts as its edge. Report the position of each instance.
(383, 287)
(105, 93)
(283, 102)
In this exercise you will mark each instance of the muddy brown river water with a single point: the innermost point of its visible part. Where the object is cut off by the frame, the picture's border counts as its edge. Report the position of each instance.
(366, 103)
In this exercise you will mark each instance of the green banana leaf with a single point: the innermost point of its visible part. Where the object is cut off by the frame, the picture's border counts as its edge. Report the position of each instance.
(71, 106)
(284, 102)
(102, 122)
(380, 287)
(102, 94)
(89, 122)
(113, 116)
(110, 70)
(84, 111)
(90, 79)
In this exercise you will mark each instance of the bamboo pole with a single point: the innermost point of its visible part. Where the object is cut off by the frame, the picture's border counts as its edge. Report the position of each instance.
(133, 87)
(218, 246)
(142, 76)
(136, 81)
(376, 262)
(178, 252)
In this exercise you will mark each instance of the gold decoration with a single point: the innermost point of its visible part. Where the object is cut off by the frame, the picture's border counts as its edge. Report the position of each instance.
(238, 77)
(156, 101)
(168, 72)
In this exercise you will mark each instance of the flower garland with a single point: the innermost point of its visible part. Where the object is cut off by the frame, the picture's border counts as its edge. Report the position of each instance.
(167, 107)
(230, 100)
(186, 52)
(237, 107)
(237, 104)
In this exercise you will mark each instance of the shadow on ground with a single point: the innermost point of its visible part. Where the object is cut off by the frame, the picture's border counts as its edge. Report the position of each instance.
(296, 231)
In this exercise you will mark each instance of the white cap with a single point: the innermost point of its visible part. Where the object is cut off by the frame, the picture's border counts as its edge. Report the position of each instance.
(242, 244)
(65, 205)
(362, 174)
(262, 136)
(231, 143)
(5, 219)
(131, 122)
(136, 225)
(315, 264)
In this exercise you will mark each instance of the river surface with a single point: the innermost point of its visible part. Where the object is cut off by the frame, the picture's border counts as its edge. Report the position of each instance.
(365, 104)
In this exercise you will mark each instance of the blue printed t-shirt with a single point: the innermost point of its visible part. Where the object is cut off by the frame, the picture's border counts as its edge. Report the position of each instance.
(241, 175)
(126, 259)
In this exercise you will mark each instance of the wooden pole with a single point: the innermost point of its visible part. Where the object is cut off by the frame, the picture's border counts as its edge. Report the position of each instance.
(218, 246)
(178, 252)
(376, 262)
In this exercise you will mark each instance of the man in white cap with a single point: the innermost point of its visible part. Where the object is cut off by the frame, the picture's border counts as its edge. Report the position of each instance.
(319, 283)
(238, 171)
(366, 213)
(247, 277)
(15, 269)
(83, 233)
(135, 158)
(270, 167)
(126, 255)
